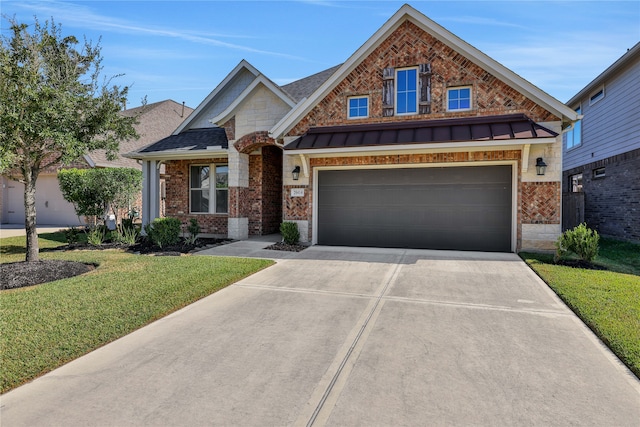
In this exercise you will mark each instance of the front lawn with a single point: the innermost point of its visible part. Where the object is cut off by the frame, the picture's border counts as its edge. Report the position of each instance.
(607, 301)
(47, 325)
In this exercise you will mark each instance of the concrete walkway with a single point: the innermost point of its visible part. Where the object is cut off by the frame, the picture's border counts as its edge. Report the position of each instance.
(12, 230)
(349, 337)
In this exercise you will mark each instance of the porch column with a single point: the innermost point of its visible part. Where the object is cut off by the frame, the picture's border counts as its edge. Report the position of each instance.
(150, 191)
(238, 222)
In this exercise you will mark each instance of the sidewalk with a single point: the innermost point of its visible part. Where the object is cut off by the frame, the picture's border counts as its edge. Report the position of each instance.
(12, 230)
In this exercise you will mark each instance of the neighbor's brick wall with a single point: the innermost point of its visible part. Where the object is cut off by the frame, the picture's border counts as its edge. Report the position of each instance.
(177, 203)
(612, 203)
(410, 46)
(537, 203)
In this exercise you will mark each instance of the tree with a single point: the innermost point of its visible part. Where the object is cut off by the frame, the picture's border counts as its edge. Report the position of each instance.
(54, 108)
(94, 191)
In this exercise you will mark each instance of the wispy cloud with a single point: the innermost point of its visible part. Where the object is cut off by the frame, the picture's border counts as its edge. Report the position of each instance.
(476, 20)
(82, 17)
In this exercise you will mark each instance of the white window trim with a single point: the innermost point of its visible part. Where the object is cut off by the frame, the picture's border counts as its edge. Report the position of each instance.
(599, 173)
(596, 96)
(395, 92)
(572, 129)
(212, 190)
(470, 98)
(349, 108)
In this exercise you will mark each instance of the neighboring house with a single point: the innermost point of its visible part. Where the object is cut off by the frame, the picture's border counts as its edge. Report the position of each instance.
(156, 121)
(418, 140)
(601, 160)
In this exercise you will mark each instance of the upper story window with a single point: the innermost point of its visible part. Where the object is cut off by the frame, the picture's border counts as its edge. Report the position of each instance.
(407, 91)
(572, 137)
(202, 197)
(459, 98)
(597, 96)
(358, 107)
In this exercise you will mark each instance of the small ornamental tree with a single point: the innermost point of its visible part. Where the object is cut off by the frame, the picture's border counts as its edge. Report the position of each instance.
(94, 192)
(54, 107)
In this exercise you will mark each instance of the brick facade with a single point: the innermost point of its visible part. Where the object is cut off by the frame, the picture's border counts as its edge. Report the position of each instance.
(265, 190)
(177, 191)
(612, 202)
(410, 46)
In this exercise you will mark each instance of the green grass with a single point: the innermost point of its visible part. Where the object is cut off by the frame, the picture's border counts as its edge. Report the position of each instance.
(51, 324)
(607, 301)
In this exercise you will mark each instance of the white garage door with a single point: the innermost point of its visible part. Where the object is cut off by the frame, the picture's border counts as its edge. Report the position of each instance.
(51, 207)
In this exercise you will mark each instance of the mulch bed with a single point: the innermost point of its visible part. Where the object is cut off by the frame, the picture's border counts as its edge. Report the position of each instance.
(282, 246)
(19, 274)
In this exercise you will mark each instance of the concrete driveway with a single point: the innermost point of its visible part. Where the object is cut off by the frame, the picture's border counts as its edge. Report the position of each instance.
(350, 337)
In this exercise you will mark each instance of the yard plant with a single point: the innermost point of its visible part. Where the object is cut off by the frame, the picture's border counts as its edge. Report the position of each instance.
(606, 300)
(47, 325)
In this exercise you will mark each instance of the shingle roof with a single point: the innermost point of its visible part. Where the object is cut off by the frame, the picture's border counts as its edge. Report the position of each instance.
(156, 121)
(490, 128)
(191, 140)
(302, 88)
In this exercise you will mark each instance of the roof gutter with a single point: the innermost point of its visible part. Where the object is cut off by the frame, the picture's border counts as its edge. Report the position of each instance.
(177, 155)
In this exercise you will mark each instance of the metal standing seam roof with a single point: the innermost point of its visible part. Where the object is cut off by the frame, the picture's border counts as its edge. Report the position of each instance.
(190, 140)
(487, 128)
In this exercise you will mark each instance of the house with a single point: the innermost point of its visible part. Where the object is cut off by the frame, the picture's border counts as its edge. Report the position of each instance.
(601, 152)
(156, 121)
(417, 140)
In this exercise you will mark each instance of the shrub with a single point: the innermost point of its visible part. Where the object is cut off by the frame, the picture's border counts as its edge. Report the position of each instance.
(96, 236)
(125, 235)
(290, 233)
(164, 231)
(581, 241)
(194, 229)
(72, 235)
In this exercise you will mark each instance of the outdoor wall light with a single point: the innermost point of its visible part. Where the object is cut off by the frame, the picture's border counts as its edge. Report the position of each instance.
(296, 173)
(541, 166)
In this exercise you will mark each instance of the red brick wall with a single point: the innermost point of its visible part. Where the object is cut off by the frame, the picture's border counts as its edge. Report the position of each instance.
(537, 202)
(265, 190)
(410, 46)
(177, 203)
(271, 189)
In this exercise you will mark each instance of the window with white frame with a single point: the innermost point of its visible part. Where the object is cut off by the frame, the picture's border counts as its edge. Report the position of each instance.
(407, 91)
(358, 107)
(459, 98)
(572, 137)
(209, 189)
(597, 96)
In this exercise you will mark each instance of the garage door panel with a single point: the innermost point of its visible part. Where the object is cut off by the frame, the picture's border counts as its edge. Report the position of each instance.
(440, 208)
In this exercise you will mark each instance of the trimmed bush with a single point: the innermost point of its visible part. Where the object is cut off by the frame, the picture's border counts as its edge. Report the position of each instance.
(164, 231)
(290, 233)
(194, 229)
(581, 241)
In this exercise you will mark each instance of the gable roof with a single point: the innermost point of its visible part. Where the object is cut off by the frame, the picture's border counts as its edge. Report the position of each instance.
(631, 55)
(304, 87)
(506, 128)
(155, 121)
(405, 13)
(191, 143)
(232, 103)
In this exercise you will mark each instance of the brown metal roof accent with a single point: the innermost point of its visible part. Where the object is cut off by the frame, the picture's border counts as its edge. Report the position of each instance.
(488, 128)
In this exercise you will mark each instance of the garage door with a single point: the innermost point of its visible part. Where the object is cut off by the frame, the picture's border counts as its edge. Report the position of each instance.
(51, 207)
(459, 208)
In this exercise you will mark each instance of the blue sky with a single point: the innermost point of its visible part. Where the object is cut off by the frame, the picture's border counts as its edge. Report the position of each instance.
(182, 50)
